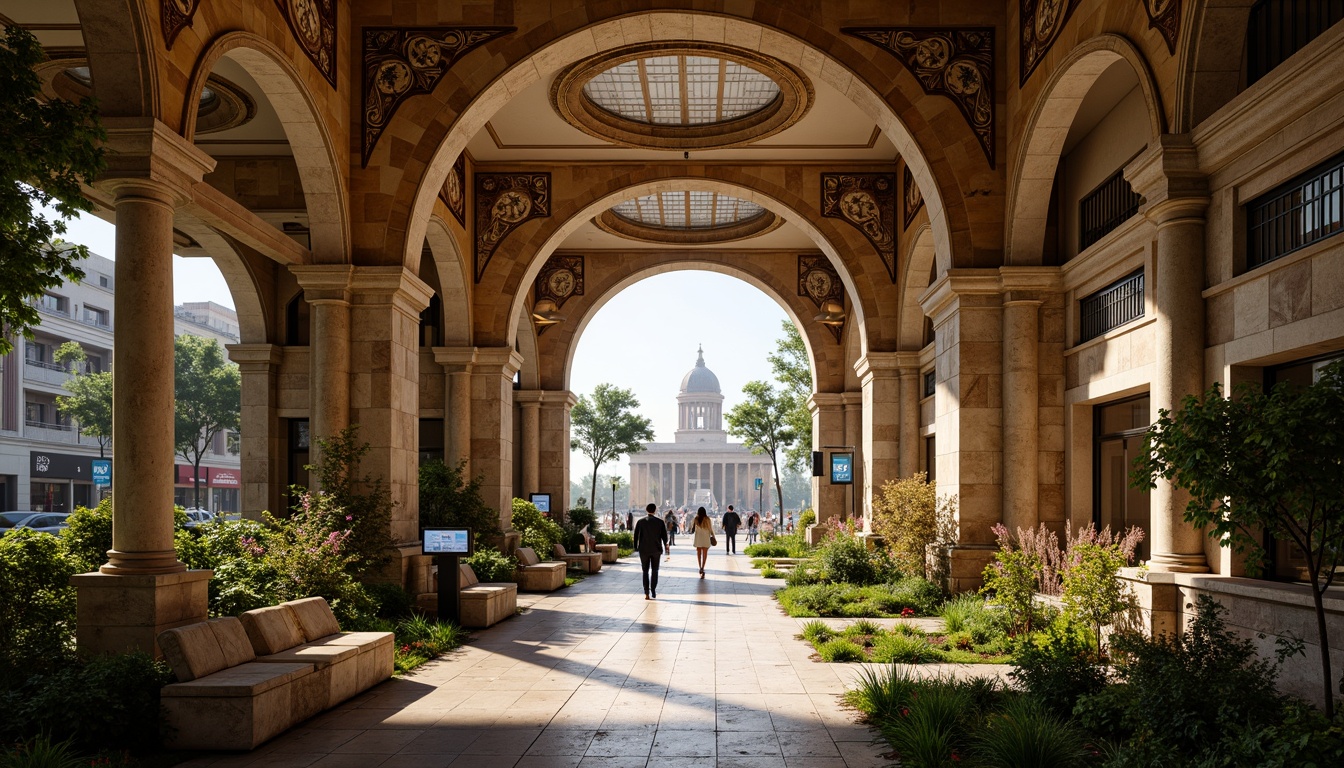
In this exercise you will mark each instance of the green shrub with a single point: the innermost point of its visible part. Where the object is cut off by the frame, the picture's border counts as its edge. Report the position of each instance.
(817, 632)
(803, 574)
(1093, 591)
(89, 535)
(767, 549)
(844, 557)
(961, 611)
(769, 571)
(491, 565)
(1025, 733)
(882, 693)
(840, 649)
(910, 517)
(896, 648)
(449, 500)
(42, 752)
(1058, 666)
(540, 532)
(581, 516)
(932, 730)
(622, 539)
(104, 702)
(1011, 580)
(420, 639)
(919, 594)
(390, 601)
(37, 605)
(363, 502)
(862, 627)
(808, 517)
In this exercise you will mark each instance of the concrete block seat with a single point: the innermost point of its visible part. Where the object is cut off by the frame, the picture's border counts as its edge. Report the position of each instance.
(533, 575)
(588, 562)
(224, 698)
(484, 604)
(610, 552)
(308, 629)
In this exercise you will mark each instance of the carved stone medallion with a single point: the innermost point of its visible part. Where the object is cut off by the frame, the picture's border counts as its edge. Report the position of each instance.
(176, 15)
(955, 62)
(503, 202)
(1041, 22)
(454, 192)
(868, 202)
(1165, 17)
(818, 281)
(913, 199)
(313, 23)
(560, 278)
(400, 62)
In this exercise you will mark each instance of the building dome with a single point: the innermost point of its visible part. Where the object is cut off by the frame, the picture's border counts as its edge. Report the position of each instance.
(700, 378)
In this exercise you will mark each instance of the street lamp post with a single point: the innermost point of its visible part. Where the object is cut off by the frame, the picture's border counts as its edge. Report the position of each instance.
(614, 482)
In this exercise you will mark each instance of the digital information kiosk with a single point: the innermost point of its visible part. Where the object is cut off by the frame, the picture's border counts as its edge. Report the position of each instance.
(448, 545)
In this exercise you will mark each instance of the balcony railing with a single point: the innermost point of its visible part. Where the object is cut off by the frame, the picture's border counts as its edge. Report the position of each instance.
(1307, 209)
(1105, 208)
(1279, 28)
(45, 373)
(1111, 307)
(49, 432)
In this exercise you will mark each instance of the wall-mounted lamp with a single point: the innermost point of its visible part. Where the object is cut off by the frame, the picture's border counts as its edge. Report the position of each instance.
(832, 313)
(545, 312)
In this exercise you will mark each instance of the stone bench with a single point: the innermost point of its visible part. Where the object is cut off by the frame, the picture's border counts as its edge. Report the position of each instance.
(533, 575)
(588, 562)
(485, 604)
(308, 627)
(610, 552)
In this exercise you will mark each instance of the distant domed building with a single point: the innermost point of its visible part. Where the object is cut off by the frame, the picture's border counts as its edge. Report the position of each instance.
(700, 467)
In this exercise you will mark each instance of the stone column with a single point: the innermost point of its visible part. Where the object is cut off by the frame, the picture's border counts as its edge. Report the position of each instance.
(492, 426)
(326, 288)
(553, 458)
(1021, 428)
(456, 362)
(1168, 177)
(143, 589)
(910, 391)
(529, 407)
(261, 433)
(879, 374)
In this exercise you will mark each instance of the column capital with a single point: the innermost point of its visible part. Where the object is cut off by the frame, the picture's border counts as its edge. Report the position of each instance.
(323, 283)
(884, 364)
(455, 359)
(942, 296)
(1029, 284)
(146, 158)
(255, 357)
(825, 401)
(1168, 172)
(546, 396)
(504, 359)
(390, 285)
(852, 399)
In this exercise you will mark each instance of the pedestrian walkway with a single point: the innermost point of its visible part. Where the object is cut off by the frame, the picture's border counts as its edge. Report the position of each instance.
(709, 674)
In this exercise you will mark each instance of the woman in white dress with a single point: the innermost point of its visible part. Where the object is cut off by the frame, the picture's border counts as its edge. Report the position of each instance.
(704, 538)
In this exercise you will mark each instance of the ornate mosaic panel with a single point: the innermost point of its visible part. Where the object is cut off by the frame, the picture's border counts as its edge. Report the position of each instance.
(912, 199)
(454, 192)
(176, 16)
(818, 281)
(503, 202)
(401, 62)
(560, 278)
(313, 23)
(955, 62)
(1041, 22)
(1165, 17)
(868, 202)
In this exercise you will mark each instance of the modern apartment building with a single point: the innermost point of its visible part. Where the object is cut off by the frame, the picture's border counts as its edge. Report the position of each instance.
(45, 463)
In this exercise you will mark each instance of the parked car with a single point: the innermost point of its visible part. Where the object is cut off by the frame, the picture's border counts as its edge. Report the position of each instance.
(46, 522)
(197, 516)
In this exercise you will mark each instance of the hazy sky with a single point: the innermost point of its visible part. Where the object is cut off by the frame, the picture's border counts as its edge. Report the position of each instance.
(643, 339)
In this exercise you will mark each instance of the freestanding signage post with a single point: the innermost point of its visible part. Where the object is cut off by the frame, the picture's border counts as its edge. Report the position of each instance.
(842, 473)
(448, 545)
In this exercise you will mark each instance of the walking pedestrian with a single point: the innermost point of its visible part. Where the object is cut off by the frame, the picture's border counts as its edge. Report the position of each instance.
(753, 525)
(651, 543)
(629, 521)
(704, 538)
(671, 522)
(731, 522)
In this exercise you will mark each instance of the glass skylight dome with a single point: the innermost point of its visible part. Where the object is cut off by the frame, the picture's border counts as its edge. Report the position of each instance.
(688, 210)
(681, 90)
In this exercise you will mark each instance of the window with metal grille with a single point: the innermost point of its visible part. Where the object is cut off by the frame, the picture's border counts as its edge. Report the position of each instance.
(1112, 306)
(1105, 208)
(930, 383)
(1307, 209)
(1279, 28)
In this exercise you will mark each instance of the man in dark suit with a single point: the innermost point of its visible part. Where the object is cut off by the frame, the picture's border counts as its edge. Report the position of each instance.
(731, 522)
(651, 543)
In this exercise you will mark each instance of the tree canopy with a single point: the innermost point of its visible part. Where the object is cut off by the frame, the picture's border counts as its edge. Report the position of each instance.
(793, 371)
(762, 421)
(1262, 462)
(90, 398)
(208, 392)
(48, 148)
(605, 426)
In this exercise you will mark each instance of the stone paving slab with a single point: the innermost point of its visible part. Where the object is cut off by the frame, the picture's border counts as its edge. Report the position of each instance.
(708, 675)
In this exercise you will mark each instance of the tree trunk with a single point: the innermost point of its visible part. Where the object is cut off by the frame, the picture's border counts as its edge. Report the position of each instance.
(779, 489)
(1322, 635)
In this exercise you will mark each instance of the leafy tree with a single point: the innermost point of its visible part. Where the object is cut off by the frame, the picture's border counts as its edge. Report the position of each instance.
(1262, 462)
(579, 490)
(605, 427)
(208, 392)
(364, 501)
(47, 150)
(793, 371)
(449, 499)
(1093, 591)
(909, 516)
(762, 421)
(90, 398)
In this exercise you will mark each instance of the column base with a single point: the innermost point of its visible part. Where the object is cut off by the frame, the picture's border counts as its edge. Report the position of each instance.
(960, 567)
(141, 563)
(1158, 599)
(120, 613)
(1171, 562)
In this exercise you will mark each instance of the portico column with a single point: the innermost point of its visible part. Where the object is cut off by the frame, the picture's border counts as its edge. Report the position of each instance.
(326, 288)
(1021, 429)
(143, 589)
(879, 374)
(910, 389)
(456, 362)
(529, 406)
(1177, 197)
(830, 502)
(553, 457)
(262, 457)
(492, 426)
